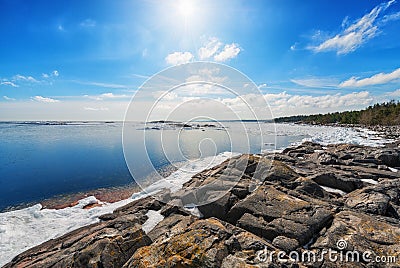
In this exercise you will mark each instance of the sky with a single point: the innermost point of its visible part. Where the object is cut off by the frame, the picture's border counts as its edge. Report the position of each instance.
(85, 60)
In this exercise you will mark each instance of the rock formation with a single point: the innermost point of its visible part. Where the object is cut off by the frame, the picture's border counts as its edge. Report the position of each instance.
(343, 198)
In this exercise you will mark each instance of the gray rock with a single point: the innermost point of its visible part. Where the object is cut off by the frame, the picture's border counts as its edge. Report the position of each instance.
(390, 158)
(285, 243)
(368, 201)
(336, 181)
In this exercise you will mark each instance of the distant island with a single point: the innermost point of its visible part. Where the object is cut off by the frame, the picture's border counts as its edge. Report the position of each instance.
(385, 114)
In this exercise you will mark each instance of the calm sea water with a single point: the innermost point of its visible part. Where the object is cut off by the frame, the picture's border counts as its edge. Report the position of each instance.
(39, 161)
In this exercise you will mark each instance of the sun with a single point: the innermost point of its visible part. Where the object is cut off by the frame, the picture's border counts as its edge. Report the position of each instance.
(186, 8)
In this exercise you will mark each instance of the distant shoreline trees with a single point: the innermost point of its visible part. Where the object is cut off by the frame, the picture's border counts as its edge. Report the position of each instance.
(387, 113)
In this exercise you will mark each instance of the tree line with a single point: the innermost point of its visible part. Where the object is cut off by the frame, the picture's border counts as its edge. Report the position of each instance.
(387, 113)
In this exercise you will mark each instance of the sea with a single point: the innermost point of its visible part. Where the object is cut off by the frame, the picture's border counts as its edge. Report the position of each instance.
(42, 160)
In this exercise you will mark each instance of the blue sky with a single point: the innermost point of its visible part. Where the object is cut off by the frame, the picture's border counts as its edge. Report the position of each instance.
(83, 60)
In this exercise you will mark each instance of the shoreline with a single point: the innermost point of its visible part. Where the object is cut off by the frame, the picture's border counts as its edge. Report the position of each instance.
(325, 189)
(79, 217)
(118, 193)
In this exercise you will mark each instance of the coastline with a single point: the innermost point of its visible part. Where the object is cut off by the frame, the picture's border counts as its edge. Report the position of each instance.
(64, 204)
(119, 193)
(310, 197)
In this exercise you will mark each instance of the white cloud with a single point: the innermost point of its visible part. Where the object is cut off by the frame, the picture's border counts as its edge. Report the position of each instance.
(95, 108)
(213, 48)
(110, 95)
(381, 78)
(179, 58)
(44, 99)
(8, 98)
(30, 79)
(355, 34)
(55, 73)
(209, 49)
(283, 104)
(394, 94)
(8, 83)
(229, 52)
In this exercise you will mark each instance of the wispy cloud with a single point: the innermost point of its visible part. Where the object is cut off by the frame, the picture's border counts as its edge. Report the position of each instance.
(179, 58)
(88, 23)
(30, 79)
(391, 17)
(108, 95)
(381, 78)
(316, 82)
(394, 94)
(100, 84)
(355, 34)
(54, 73)
(44, 99)
(8, 98)
(262, 86)
(95, 108)
(141, 76)
(8, 83)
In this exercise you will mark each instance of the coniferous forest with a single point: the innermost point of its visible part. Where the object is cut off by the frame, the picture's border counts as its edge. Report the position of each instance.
(387, 113)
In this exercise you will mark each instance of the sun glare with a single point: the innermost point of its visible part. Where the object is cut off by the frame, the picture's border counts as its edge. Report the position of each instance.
(186, 7)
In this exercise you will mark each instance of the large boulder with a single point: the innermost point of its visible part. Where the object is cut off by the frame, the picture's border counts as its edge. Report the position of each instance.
(204, 243)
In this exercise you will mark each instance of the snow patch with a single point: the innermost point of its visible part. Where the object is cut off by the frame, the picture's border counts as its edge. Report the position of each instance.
(393, 169)
(154, 217)
(28, 227)
(371, 181)
(333, 190)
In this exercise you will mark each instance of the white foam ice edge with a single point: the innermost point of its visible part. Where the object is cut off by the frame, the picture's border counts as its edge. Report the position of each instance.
(25, 228)
(333, 135)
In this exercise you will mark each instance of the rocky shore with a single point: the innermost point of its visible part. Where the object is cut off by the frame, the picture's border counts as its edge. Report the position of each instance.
(256, 211)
